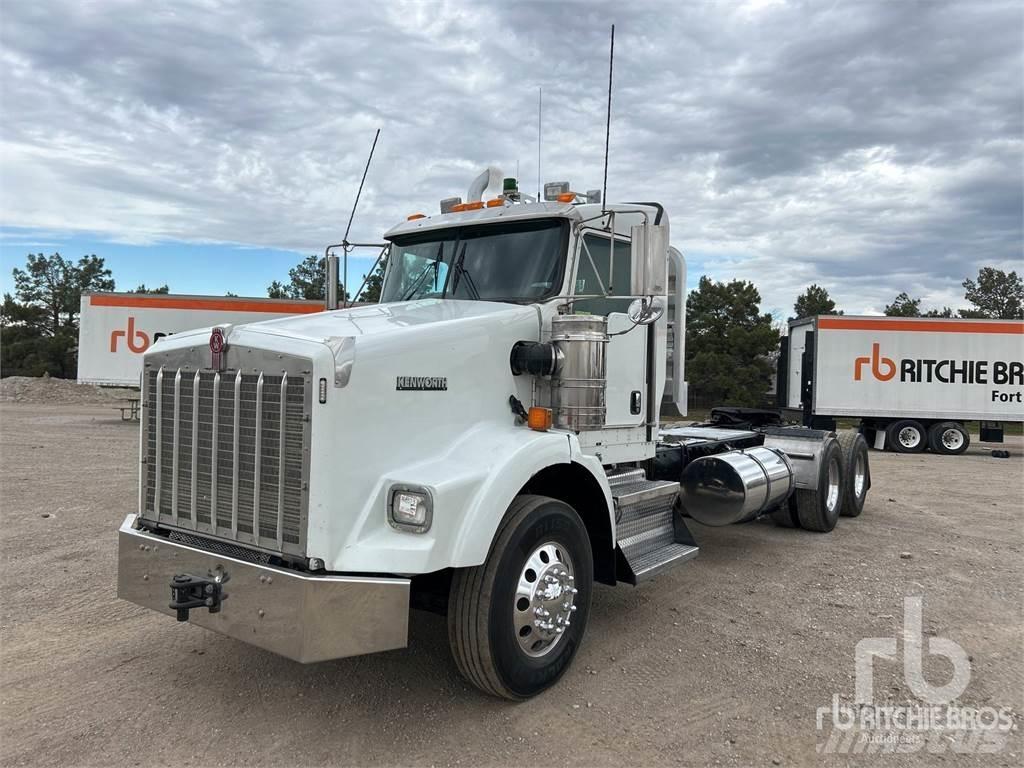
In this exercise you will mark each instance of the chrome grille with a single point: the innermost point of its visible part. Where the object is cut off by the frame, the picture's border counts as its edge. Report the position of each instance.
(226, 454)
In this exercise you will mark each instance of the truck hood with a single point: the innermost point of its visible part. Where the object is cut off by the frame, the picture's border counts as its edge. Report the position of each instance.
(377, 320)
(381, 319)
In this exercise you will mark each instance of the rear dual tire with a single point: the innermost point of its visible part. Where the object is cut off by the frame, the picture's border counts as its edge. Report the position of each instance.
(818, 509)
(856, 472)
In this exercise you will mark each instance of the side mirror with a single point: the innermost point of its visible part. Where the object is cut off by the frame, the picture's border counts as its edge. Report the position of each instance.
(649, 251)
(646, 311)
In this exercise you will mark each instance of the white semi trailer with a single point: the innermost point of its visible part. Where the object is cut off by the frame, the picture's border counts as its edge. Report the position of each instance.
(484, 443)
(913, 383)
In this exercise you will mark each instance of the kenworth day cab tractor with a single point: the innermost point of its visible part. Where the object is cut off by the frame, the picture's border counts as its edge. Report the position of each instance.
(485, 442)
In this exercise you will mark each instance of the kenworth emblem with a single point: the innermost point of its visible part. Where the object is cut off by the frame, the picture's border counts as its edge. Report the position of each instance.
(217, 347)
(422, 383)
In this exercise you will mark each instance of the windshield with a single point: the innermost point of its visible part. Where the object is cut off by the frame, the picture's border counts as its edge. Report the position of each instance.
(494, 262)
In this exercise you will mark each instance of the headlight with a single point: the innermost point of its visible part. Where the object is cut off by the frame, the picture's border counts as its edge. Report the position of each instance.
(410, 509)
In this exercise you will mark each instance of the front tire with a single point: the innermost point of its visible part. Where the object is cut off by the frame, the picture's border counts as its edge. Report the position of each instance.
(516, 622)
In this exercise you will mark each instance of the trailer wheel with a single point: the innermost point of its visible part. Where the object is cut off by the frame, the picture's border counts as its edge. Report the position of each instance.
(856, 472)
(516, 622)
(906, 436)
(818, 509)
(948, 438)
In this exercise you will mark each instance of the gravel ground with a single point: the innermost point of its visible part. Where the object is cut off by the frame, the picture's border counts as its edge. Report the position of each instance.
(724, 660)
(29, 389)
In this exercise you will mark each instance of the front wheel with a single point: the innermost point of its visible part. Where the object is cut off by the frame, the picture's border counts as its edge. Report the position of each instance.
(516, 622)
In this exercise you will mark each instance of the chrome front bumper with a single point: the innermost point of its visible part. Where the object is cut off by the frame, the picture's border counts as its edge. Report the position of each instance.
(305, 618)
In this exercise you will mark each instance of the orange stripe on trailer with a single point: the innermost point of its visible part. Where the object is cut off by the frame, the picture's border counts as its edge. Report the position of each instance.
(929, 326)
(219, 305)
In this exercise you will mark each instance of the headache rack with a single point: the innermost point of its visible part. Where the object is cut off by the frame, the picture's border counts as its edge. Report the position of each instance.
(226, 453)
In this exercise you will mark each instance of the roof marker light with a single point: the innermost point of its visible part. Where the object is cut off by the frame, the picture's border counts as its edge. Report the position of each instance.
(567, 197)
(497, 202)
(415, 216)
(553, 189)
(449, 203)
(475, 205)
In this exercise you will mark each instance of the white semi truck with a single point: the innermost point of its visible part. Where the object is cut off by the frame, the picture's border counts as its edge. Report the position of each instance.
(484, 443)
(912, 383)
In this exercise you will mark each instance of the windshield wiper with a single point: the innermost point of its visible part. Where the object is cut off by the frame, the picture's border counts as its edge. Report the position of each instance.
(419, 280)
(459, 270)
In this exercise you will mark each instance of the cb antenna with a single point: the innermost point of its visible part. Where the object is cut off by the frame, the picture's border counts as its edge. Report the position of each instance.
(608, 123)
(345, 245)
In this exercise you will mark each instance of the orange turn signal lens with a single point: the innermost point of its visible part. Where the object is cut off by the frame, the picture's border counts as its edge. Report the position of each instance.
(416, 216)
(496, 202)
(567, 197)
(539, 419)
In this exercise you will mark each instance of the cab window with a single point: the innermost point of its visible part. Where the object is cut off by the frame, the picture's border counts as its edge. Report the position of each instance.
(589, 282)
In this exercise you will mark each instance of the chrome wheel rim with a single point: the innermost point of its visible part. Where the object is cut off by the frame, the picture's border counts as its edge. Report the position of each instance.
(544, 600)
(909, 437)
(952, 439)
(832, 496)
(860, 475)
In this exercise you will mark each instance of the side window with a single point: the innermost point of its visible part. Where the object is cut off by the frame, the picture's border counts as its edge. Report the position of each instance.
(588, 282)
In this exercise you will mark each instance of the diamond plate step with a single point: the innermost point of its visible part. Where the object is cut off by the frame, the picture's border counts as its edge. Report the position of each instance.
(621, 477)
(649, 538)
(651, 564)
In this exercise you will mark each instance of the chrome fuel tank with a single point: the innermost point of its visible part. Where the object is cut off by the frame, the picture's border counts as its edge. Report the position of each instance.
(737, 486)
(580, 380)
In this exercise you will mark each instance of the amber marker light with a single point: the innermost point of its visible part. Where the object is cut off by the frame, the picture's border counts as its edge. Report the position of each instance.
(539, 419)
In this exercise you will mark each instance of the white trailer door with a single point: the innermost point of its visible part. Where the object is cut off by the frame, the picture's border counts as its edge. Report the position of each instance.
(794, 374)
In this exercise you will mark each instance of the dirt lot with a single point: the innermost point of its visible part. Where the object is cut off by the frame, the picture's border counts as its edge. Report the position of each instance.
(722, 661)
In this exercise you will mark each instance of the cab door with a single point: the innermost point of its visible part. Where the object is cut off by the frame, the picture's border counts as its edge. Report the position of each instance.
(600, 271)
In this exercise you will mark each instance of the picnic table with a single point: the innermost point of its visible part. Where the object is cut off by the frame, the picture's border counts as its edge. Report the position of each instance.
(130, 409)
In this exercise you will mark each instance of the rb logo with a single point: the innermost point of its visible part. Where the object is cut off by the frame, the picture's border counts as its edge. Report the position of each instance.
(138, 341)
(877, 364)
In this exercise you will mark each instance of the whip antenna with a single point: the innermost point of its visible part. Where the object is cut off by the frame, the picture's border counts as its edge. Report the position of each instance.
(331, 261)
(540, 106)
(359, 192)
(608, 122)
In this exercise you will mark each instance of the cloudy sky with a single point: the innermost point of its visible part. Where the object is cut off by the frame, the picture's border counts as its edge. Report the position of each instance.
(871, 147)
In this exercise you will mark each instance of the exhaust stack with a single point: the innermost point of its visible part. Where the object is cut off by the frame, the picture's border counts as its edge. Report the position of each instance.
(492, 177)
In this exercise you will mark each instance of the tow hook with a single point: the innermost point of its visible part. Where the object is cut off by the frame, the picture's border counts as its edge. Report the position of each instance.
(188, 592)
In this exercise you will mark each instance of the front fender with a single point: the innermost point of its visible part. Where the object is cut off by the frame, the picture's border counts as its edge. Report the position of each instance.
(472, 484)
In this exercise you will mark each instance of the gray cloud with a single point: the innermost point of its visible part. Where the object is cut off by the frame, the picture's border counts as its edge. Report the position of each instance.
(872, 147)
